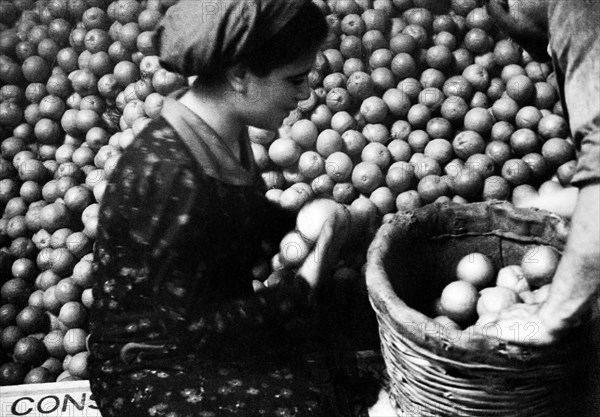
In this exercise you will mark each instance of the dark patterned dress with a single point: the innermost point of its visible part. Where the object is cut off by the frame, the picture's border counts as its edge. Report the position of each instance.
(176, 329)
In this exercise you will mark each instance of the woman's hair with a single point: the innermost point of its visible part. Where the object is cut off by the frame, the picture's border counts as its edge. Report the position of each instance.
(302, 34)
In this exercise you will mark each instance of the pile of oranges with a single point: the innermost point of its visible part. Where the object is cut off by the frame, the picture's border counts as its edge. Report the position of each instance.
(412, 102)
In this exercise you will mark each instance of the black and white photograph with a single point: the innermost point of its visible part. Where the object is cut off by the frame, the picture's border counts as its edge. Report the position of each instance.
(300, 208)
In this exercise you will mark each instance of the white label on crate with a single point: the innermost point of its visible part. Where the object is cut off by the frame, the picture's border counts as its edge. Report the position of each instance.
(57, 399)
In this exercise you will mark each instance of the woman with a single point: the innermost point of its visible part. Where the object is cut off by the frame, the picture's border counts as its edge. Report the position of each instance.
(176, 329)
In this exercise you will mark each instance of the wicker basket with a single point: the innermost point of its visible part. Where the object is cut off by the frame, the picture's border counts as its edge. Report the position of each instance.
(434, 372)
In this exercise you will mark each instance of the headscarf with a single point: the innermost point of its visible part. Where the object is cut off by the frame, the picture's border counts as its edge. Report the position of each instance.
(199, 37)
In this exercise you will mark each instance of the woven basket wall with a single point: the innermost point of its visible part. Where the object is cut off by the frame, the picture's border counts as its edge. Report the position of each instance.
(435, 371)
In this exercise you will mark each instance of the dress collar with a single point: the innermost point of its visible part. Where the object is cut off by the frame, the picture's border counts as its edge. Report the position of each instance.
(210, 151)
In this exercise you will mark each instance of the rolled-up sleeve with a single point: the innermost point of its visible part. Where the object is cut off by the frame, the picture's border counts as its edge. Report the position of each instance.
(575, 46)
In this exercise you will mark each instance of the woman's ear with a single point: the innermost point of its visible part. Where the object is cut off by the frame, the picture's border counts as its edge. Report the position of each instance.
(237, 77)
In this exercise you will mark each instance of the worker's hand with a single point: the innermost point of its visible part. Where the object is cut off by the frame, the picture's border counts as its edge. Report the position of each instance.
(521, 324)
(560, 202)
(325, 253)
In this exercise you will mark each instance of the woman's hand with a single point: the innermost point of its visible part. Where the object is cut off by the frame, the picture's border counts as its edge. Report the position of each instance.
(560, 202)
(325, 253)
(521, 324)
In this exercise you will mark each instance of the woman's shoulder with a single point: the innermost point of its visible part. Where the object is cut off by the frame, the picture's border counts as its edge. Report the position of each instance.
(161, 139)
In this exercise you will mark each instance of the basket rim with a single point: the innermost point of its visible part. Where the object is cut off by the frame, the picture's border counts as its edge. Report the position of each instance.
(409, 323)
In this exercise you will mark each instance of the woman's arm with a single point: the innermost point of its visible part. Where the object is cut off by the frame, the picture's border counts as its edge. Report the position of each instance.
(577, 279)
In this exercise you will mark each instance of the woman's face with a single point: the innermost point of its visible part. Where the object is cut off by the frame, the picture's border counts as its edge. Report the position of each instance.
(269, 99)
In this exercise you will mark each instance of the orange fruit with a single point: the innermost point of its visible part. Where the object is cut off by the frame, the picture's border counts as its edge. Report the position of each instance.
(78, 365)
(384, 199)
(402, 43)
(403, 66)
(304, 132)
(334, 80)
(344, 192)
(468, 143)
(12, 373)
(363, 211)
(539, 265)
(528, 117)
(524, 141)
(367, 176)
(323, 185)
(352, 24)
(377, 153)
(545, 96)
(495, 299)
(338, 99)
(49, 299)
(397, 102)
(477, 269)
(36, 69)
(481, 164)
(374, 109)
(520, 88)
(339, 166)
(376, 132)
(495, 188)
(459, 301)
(399, 149)
(439, 149)
(506, 52)
(30, 350)
(311, 164)
(32, 319)
(328, 142)
(468, 184)
(502, 131)
(510, 71)
(381, 58)
(411, 87)
(408, 200)
(522, 194)
(439, 57)
(478, 76)
(373, 40)
(432, 98)
(353, 142)
(73, 314)
(462, 59)
(74, 341)
(479, 120)
(553, 126)
(425, 165)
(351, 47)
(516, 171)
(454, 109)
(87, 298)
(38, 375)
(418, 115)
(431, 187)
(54, 344)
(499, 152)
(284, 151)
(512, 277)
(67, 290)
(438, 127)
(8, 314)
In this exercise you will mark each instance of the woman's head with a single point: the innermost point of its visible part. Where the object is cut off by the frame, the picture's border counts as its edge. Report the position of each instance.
(205, 38)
